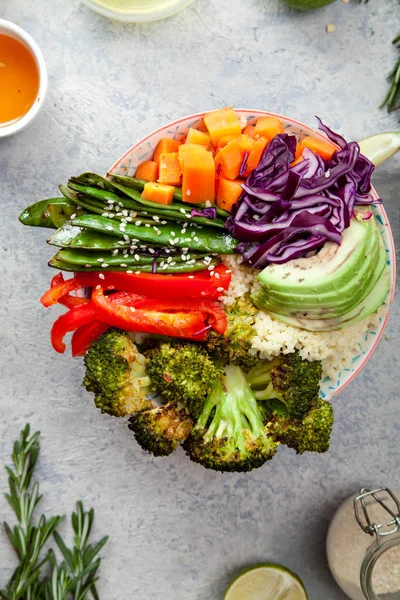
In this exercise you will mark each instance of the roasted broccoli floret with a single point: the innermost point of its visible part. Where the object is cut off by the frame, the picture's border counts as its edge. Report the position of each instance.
(159, 430)
(287, 384)
(310, 434)
(234, 347)
(230, 434)
(115, 372)
(183, 372)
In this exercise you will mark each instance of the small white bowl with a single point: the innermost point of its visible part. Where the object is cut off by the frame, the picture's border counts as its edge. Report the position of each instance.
(16, 32)
(138, 15)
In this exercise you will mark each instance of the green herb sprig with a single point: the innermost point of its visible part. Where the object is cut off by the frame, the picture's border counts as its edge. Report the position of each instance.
(392, 98)
(75, 577)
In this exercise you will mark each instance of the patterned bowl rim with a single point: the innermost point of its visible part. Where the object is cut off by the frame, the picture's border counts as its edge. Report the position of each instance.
(298, 124)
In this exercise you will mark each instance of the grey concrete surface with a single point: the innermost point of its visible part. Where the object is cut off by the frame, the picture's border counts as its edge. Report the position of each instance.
(179, 532)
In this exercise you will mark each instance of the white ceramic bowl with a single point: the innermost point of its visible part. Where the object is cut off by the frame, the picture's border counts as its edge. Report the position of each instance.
(143, 150)
(16, 32)
(137, 15)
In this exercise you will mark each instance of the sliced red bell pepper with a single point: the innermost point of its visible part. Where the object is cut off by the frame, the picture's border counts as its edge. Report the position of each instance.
(197, 285)
(188, 325)
(67, 299)
(70, 321)
(85, 335)
(216, 315)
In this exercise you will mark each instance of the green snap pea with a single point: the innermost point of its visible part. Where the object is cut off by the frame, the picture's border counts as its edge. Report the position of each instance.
(138, 184)
(146, 268)
(51, 213)
(102, 260)
(69, 236)
(204, 239)
(177, 211)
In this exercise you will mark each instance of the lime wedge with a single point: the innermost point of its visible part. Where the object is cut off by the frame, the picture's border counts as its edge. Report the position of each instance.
(266, 582)
(380, 147)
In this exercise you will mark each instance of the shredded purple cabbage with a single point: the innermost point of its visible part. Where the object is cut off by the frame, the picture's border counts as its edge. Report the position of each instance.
(208, 213)
(285, 211)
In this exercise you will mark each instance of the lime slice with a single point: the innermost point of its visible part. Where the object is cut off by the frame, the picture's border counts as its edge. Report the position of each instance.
(266, 582)
(380, 147)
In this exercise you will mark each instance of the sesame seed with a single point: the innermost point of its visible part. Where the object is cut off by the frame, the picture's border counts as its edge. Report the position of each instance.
(163, 222)
(138, 223)
(133, 214)
(98, 287)
(118, 214)
(211, 268)
(88, 265)
(126, 238)
(101, 276)
(109, 227)
(190, 276)
(136, 257)
(228, 271)
(132, 308)
(129, 272)
(137, 272)
(216, 275)
(147, 224)
(162, 263)
(196, 239)
(100, 260)
(115, 252)
(220, 289)
(73, 216)
(129, 219)
(173, 233)
(104, 214)
(125, 251)
(188, 239)
(207, 204)
(151, 250)
(123, 221)
(212, 273)
(183, 231)
(183, 211)
(188, 192)
(169, 259)
(156, 218)
(183, 257)
(125, 213)
(123, 265)
(165, 267)
(105, 265)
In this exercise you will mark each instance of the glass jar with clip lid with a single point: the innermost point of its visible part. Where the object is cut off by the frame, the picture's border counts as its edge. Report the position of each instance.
(361, 568)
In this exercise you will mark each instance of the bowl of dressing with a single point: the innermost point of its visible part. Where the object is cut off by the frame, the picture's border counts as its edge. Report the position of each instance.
(137, 11)
(23, 79)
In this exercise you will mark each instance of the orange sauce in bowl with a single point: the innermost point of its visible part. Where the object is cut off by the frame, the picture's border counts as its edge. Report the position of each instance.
(19, 80)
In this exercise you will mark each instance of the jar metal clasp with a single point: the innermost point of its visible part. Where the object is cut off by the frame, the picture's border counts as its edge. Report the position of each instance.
(384, 538)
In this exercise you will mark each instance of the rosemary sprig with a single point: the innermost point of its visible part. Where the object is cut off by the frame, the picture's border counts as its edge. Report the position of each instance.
(75, 577)
(392, 98)
(26, 538)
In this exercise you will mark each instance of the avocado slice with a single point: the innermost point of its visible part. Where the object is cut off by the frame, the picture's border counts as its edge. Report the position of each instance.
(338, 302)
(367, 307)
(328, 270)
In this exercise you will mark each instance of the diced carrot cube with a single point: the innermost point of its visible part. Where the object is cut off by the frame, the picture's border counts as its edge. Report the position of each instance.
(198, 181)
(194, 136)
(165, 146)
(228, 193)
(148, 171)
(221, 123)
(255, 155)
(268, 127)
(323, 148)
(249, 130)
(170, 169)
(158, 193)
(230, 158)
